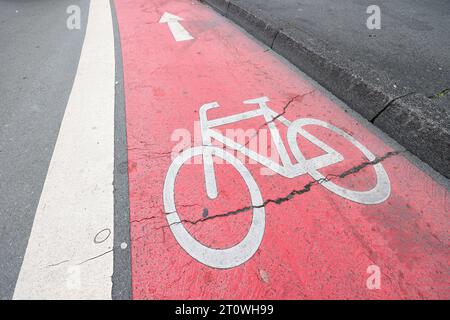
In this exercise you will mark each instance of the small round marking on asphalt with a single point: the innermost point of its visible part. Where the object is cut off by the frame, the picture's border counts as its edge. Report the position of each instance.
(102, 236)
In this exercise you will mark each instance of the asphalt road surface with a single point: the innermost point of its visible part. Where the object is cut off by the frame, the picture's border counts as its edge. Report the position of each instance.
(409, 48)
(161, 152)
(39, 58)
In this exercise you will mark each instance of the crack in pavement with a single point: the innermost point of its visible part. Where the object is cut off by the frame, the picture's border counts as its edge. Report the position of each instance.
(143, 219)
(68, 260)
(286, 106)
(162, 211)
(388, 105)
(98, 256)
(440, 94)
(57, 264)
(293, 193)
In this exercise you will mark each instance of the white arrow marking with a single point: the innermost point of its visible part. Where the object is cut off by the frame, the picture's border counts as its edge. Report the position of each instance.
(178, 31)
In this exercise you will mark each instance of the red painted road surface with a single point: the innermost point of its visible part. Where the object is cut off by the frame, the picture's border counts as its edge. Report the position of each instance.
(315, 243)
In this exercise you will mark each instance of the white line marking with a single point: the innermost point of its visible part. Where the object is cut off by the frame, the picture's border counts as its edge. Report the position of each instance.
(62, 261)
(178, 31)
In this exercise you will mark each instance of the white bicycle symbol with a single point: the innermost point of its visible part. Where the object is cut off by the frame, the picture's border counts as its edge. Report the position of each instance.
(243, 251)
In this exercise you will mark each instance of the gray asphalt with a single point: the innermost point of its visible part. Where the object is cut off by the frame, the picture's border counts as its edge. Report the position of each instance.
(39, 57)
(121, 289)
(412, 47)
(398, 77)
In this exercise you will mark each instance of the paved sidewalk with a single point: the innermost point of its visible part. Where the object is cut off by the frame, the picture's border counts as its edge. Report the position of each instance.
(396, 77)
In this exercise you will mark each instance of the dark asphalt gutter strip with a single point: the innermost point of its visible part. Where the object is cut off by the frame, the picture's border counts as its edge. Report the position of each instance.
(415, 121)
(121, 278)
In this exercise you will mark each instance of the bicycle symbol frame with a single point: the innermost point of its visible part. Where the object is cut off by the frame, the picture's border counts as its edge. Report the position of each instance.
(243, 251)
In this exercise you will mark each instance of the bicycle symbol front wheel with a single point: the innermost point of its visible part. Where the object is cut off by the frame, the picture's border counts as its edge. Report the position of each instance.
(215, 258)
(378, 194)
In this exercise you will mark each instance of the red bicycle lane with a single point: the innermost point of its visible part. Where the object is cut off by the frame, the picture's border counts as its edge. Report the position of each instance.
(304, 237)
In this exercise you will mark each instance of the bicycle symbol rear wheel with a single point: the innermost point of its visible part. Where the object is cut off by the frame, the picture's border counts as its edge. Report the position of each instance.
(215, 258)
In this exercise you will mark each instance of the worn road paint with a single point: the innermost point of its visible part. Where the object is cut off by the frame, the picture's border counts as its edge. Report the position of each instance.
(316, 243)
(69, 253)
(178, 31)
